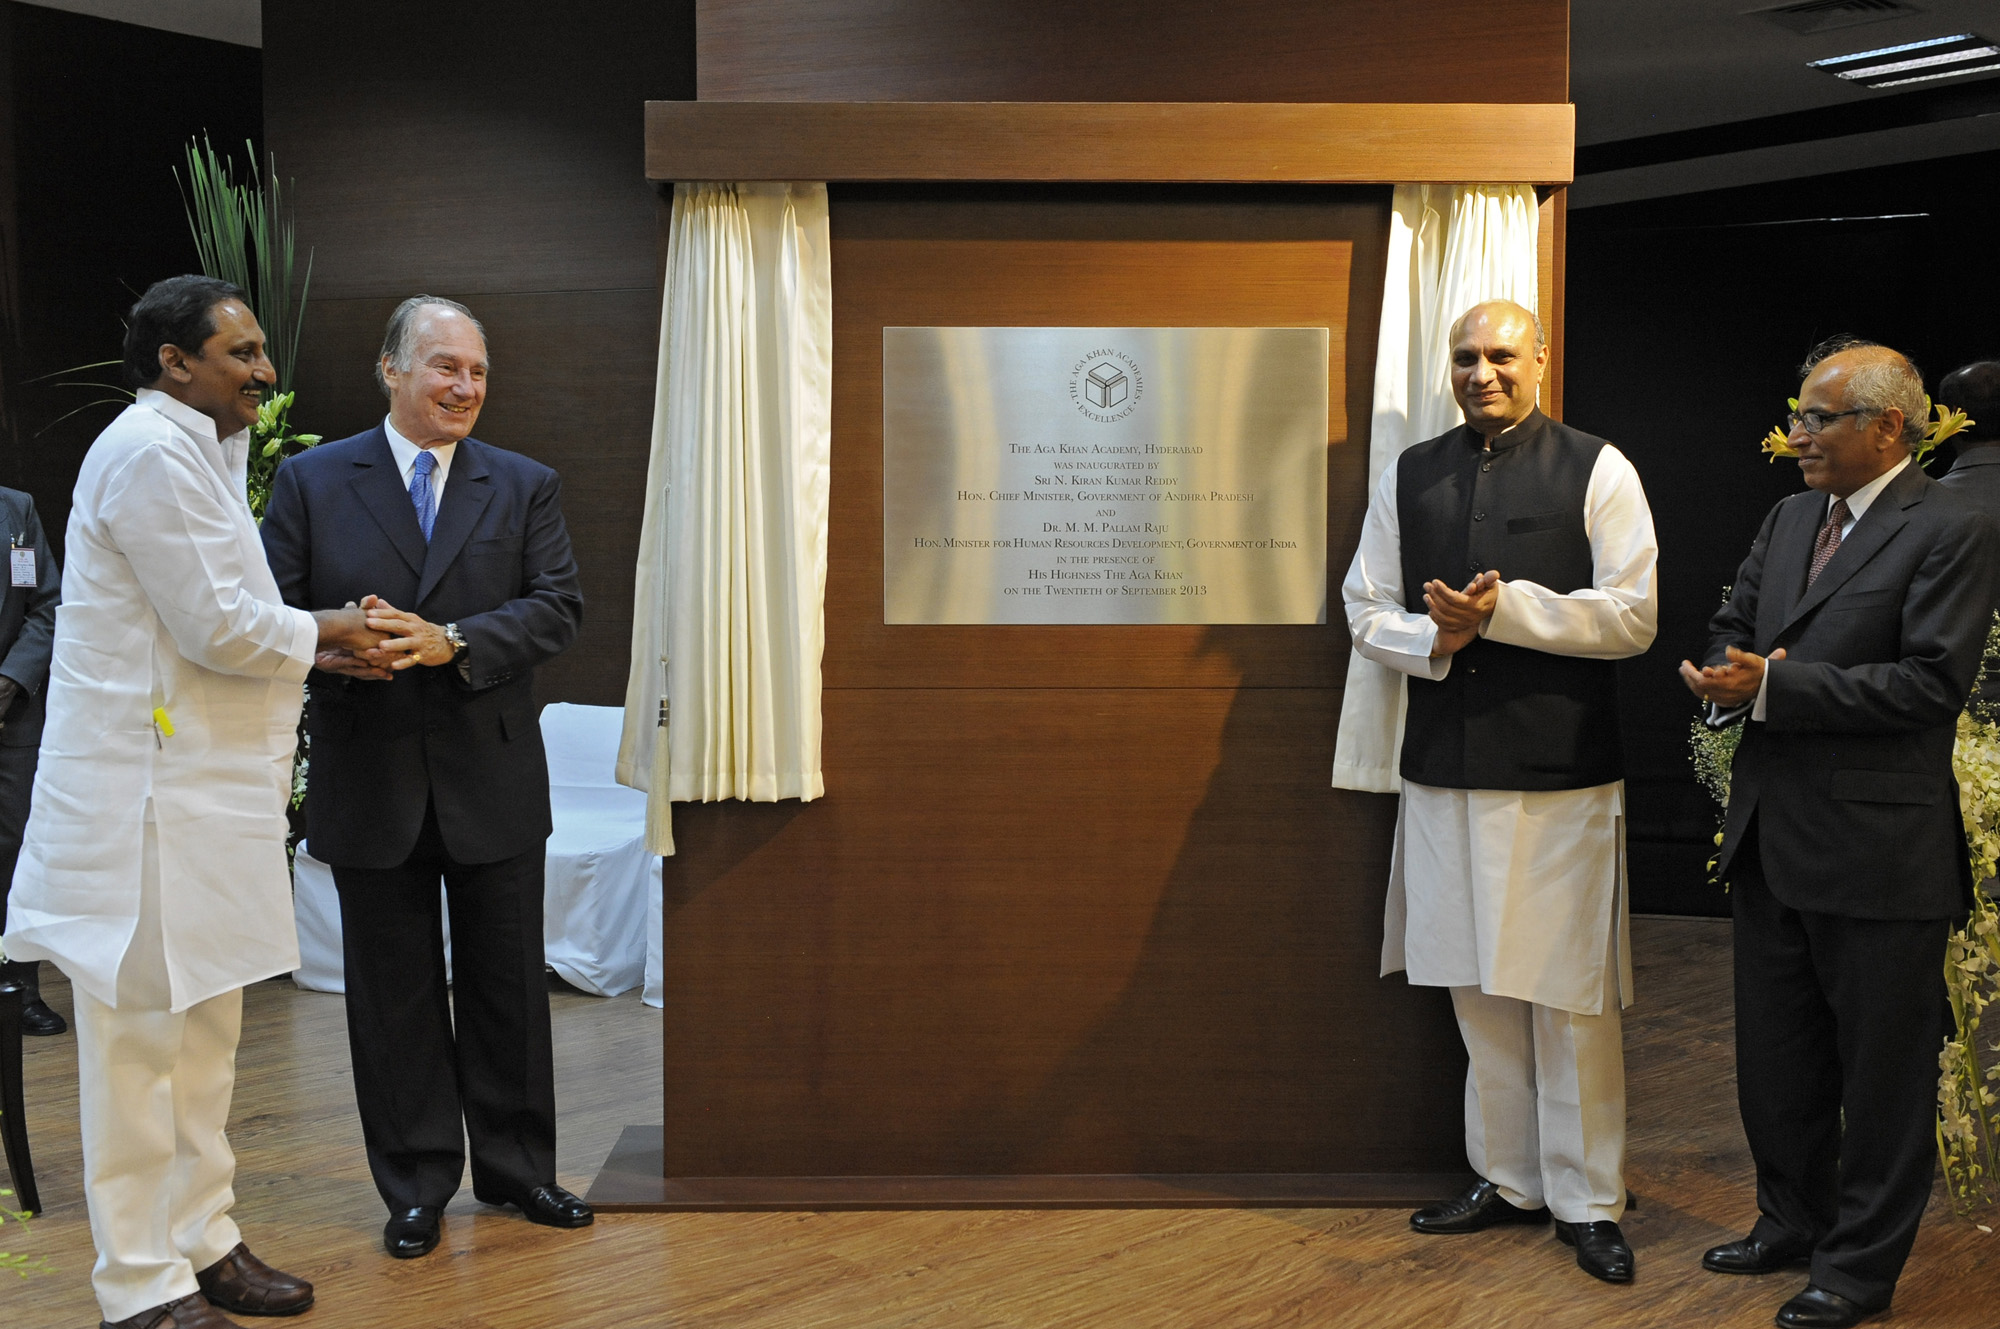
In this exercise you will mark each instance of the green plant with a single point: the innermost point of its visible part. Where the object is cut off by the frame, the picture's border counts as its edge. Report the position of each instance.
(243, 233)
(20, 1264)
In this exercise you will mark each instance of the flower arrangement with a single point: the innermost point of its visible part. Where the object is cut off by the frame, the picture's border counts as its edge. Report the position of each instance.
(1943, 424)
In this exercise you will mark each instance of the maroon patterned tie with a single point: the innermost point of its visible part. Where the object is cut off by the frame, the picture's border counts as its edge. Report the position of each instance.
(1828, 541)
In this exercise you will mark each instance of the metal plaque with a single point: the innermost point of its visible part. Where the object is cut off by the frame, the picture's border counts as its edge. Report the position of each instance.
(1104, 475)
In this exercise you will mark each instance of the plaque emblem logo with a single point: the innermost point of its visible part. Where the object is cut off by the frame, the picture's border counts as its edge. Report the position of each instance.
(1106, 384)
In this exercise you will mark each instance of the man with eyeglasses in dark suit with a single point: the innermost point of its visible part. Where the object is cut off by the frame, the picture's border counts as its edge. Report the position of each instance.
(1848, 644)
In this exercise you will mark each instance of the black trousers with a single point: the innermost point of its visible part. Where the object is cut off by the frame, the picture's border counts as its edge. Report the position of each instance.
(418, 1072)
(1839, 1022)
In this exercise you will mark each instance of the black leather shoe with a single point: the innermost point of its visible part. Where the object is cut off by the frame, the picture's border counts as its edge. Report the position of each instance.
(37, 1019)
(1478, 1209)
(1751, 1256)
(411, 1233)
(1817, 1308)
(1601, 1249)
(551, 1206)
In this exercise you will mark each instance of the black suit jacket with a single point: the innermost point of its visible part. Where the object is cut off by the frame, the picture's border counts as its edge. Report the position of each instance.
(1849, 775)
(27, 623)
(341, 526)
(1975, 477)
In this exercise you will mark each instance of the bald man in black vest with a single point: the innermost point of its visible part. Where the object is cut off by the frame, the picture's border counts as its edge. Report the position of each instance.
(1507, 885)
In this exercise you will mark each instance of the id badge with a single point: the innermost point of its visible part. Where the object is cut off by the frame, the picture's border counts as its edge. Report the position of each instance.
(22, 561)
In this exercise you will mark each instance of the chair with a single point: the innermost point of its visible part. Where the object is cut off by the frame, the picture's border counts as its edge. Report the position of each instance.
(596, 917)
(13, 1114)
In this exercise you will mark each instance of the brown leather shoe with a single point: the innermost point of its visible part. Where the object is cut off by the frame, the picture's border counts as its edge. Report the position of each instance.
(190, 1312)
(242, 1283)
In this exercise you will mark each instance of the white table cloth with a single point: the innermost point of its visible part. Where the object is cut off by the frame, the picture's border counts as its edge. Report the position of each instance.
(601, 909)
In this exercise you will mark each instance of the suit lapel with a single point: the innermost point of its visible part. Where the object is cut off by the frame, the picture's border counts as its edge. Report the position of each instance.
(379, 485)
(1886, 515)
(466, 494)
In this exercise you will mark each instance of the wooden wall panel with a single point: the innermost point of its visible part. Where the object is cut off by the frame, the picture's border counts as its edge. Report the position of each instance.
(1079, 900)
(1069, 142)
(1050, 931)
(499, 161)
(1109, 257)
(1133, 50)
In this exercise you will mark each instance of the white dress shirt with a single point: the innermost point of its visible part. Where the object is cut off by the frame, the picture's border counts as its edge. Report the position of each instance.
(406, 460)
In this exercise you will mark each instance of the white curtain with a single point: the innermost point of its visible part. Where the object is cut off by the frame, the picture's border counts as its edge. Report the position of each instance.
(723, 699)
(1450, 247)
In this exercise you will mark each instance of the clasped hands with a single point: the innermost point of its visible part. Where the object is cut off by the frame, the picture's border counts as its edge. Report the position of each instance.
(401, 640)
(1732, 684)
(1459, 614)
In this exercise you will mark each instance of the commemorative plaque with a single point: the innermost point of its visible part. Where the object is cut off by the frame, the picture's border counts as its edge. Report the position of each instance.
(1104, 475)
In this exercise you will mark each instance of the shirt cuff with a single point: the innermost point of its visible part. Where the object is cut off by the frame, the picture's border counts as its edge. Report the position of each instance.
(305, 645)
(1757, 709)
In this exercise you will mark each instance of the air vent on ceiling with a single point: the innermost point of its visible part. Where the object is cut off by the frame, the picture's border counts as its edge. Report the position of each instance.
(1809, 16)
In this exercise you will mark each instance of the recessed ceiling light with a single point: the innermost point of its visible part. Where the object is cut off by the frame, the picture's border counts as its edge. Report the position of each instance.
(1891, 50)
(1949, 73)
(1955, 56)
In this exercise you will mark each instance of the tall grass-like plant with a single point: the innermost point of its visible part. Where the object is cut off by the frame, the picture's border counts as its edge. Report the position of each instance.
(243, 233)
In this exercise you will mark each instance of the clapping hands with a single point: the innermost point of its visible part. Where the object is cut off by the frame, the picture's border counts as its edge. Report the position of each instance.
(1459, 614)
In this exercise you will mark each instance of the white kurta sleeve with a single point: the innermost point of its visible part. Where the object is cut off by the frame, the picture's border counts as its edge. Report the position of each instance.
(1383, 630)
(1618, 614)
(190, 555)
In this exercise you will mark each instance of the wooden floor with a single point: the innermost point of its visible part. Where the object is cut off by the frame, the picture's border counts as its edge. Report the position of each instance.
(306, 1204)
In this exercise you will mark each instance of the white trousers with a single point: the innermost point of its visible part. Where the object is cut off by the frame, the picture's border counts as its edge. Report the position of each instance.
(154, 1092)
(1545, 1103)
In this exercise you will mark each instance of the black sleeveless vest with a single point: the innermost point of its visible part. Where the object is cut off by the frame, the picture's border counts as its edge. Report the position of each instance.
(1505, 717)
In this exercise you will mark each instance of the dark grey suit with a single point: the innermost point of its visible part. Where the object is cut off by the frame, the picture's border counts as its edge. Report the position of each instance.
(27, 633)
(1975, 477)
(1846, 859)
(437, 772)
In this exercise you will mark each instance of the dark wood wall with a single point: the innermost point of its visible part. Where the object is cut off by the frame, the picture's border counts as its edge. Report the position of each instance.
(494, 156)
(1134, 50)
(1078, 900)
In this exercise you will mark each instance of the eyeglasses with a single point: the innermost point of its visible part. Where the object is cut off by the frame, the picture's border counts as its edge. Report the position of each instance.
(1814, 421)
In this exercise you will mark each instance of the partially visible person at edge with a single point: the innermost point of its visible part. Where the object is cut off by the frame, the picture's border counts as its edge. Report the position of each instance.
(27, 634)
(1851, 636)
(1503, 567)
(153, 871)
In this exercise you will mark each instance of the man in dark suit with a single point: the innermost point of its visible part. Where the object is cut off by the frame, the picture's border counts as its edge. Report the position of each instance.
(27, 637)
(427, 761)
(1849, 641)
(1975, 476)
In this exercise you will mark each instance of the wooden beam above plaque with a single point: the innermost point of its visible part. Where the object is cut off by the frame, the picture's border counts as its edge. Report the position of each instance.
(1177, 142)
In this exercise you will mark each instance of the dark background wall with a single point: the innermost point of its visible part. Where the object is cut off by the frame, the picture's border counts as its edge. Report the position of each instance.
(1687, 320)
(1133, 50)
(97, 114)
(497, 160)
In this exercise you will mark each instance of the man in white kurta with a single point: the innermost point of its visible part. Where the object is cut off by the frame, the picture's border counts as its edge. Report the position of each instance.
(1514, 897)
(153, 869)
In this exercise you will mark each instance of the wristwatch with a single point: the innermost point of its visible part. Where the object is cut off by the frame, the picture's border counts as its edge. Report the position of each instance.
(456, 638)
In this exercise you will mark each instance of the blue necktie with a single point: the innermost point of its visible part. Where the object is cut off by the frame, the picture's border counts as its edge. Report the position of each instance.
(421, 495)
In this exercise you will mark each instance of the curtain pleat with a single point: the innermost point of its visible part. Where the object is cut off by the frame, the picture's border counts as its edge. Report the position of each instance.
(723, 698)
(1450, 247)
